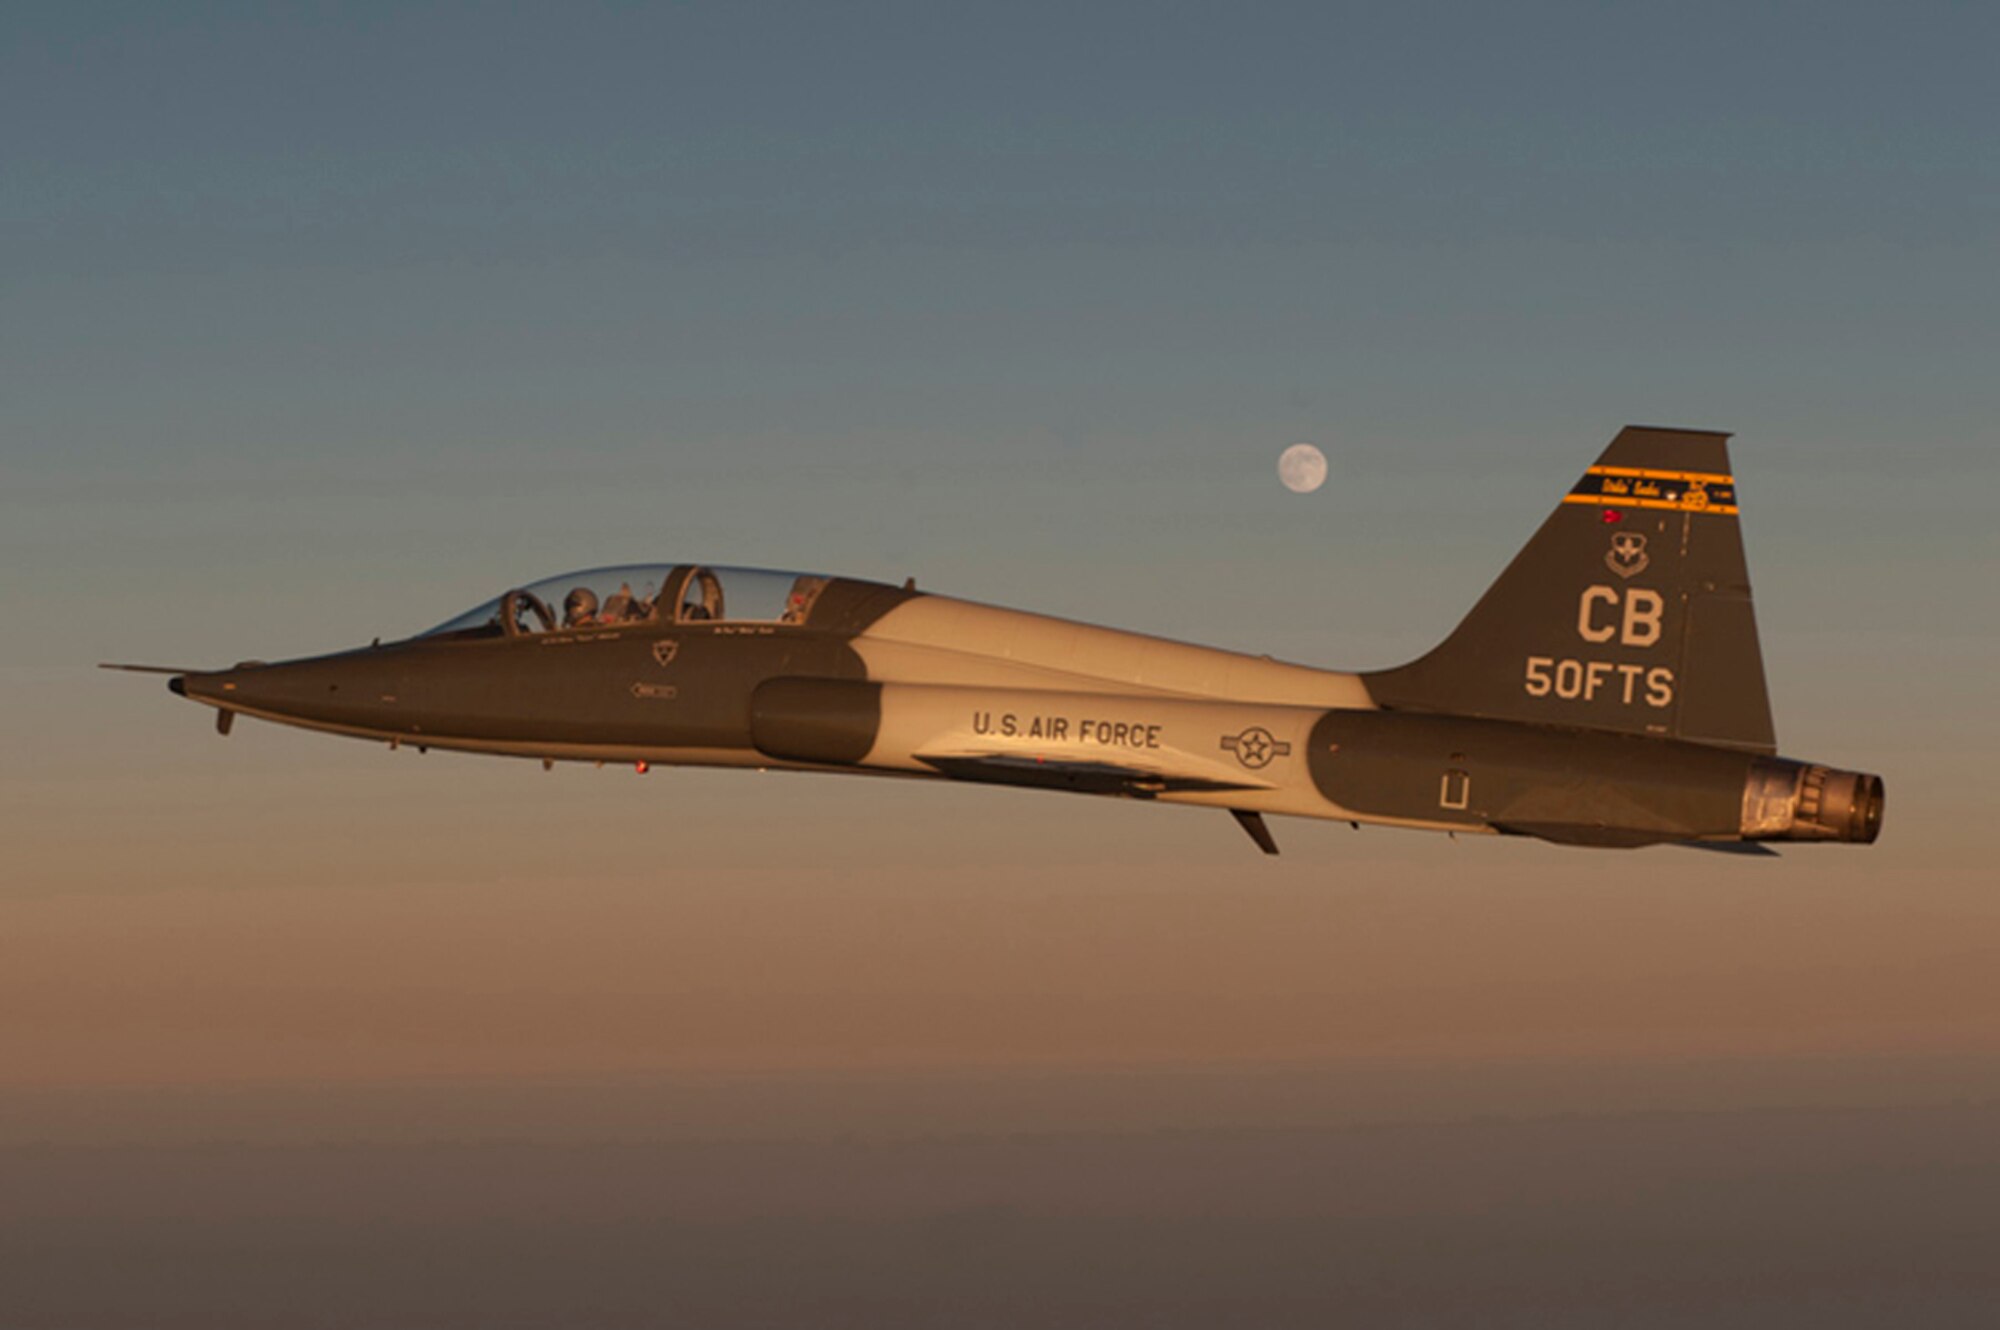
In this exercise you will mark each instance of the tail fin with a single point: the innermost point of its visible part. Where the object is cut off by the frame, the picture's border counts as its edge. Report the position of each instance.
(1628, 611)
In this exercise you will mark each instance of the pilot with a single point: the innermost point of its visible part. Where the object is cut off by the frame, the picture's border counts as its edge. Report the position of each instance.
(580, 608)
(621, 606)
(804, 592)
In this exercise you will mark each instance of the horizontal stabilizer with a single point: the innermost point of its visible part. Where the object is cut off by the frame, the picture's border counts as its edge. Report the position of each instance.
(1622, 838)
(1755, 849)
(1585, 833)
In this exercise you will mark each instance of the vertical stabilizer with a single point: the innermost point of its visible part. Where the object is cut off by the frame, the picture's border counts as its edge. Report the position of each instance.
(1628, 611)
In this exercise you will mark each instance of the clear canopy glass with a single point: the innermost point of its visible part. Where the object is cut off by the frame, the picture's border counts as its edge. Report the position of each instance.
(635, 593)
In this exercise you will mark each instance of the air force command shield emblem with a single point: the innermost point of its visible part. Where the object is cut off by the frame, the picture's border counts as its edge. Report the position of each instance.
(1627, 556)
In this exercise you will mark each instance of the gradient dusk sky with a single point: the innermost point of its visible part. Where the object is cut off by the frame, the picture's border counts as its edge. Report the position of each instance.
(327, 322)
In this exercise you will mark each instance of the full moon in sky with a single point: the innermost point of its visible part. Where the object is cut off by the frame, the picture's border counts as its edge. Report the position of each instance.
(1302, 468)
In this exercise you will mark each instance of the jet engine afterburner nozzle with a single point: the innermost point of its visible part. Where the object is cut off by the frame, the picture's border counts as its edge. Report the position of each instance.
(1785, 800)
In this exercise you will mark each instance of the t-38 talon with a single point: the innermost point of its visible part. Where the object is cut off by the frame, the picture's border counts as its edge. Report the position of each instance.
(1608, 689)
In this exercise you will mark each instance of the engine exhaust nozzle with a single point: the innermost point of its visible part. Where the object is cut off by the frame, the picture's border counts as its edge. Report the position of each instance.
(1785, 800)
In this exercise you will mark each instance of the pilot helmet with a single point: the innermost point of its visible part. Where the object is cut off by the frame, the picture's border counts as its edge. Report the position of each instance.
(579, 604)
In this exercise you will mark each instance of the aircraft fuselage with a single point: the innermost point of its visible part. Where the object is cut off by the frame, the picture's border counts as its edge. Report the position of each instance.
(892, 681)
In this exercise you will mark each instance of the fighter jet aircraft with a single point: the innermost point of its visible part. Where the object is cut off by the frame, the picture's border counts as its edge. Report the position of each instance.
(1608, 690)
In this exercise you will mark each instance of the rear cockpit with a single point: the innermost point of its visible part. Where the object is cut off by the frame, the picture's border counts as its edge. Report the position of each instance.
(600, 598)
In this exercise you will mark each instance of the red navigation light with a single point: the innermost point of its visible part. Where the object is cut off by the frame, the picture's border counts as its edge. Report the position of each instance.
(641, 767)
(1612, 515)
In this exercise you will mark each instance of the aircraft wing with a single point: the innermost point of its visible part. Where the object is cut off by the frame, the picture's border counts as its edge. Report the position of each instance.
(1076, 776)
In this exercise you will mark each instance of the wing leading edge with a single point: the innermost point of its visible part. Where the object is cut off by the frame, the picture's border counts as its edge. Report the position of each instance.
(1073, 776)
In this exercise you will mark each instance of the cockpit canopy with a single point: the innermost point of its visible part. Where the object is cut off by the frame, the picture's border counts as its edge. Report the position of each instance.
(642, 593)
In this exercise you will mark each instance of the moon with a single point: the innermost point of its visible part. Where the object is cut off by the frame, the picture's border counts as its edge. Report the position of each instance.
(1302, 468)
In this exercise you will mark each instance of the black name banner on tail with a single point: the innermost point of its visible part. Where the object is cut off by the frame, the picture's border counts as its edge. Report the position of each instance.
(1638, 487)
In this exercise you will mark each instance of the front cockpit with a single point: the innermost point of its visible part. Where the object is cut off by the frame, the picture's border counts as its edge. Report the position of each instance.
(613, 597)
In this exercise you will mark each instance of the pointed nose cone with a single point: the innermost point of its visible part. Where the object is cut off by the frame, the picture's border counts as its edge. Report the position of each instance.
(350, 688)
(239, 687)
(207, 686)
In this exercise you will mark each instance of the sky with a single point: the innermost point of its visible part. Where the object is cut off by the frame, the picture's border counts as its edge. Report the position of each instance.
(327, 322)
